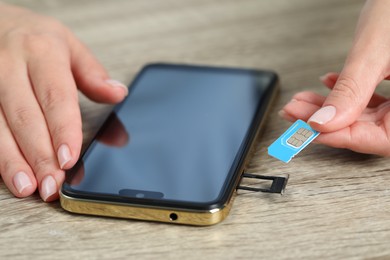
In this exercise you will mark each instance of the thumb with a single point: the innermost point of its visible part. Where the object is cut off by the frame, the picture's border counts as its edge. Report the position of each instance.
(348, 98)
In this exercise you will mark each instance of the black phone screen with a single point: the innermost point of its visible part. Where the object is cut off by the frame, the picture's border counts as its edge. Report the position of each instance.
(178, 137)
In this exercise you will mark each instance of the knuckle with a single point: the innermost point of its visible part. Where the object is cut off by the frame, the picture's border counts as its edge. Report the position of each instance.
(22, 118)
(37, 43)
(38, 38)
(40, 43)
(51, 97)
(59, 130)
(348, 88)
(55, 97)
(42, 164)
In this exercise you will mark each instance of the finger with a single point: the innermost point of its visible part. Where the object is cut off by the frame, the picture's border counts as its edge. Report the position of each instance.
(15, 171)
(362, 72)
(56, 93)
(362, 137)
(330, 79)
(304, 108)
(347, 100)
(92, 79)
(289, 111)
(114, 133)
(283, 114)
(309, 97)
(299, 110)
(28, 126)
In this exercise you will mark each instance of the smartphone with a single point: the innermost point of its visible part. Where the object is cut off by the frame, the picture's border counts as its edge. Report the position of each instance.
(175, 149)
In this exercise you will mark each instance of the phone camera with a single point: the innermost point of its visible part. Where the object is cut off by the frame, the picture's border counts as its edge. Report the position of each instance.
(140, 195)
(173, 216)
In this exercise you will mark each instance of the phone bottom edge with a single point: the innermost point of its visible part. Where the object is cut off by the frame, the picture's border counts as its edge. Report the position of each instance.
(174, 216)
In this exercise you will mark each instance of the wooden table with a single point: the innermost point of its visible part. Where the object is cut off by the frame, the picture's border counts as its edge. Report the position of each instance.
(337, 202)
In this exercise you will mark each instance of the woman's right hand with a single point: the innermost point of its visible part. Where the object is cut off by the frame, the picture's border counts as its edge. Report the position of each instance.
(352, 116)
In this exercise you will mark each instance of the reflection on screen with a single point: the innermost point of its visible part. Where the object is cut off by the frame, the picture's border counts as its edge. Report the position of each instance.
(176, 135)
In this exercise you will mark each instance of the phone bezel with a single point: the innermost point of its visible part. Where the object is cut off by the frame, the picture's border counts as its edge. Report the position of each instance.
(234, 173)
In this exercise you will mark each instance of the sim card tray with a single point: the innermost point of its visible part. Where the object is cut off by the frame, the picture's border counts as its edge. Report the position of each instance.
(278, 183)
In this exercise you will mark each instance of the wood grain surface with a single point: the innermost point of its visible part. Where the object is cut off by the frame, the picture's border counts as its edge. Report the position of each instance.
(337, 203)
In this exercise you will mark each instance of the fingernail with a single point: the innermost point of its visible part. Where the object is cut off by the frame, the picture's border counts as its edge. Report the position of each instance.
(48, 187)
(21, 181)
(281, 113)
(323, 77)
(64, 155)
(324, 115)
(117, 84)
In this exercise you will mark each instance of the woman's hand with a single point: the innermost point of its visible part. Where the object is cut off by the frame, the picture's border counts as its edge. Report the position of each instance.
(370, 132)
(352, 116)
(41, 66)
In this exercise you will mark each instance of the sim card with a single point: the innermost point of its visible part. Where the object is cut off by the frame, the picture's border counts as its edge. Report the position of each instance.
(291, 142)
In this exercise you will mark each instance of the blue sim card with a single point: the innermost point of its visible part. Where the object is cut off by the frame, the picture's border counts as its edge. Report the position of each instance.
(291, 142)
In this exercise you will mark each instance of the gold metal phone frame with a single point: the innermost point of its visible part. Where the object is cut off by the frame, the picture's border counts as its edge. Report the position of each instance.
(121, 210)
